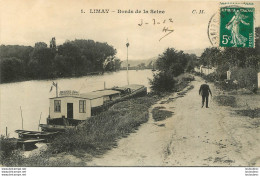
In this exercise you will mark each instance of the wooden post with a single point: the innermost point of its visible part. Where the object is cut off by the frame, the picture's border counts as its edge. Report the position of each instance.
(56, 89)
(201, 70)
(258, 79)
(104, 84)
(228, 75)
(127, 45)
(127, 68)
(21, 116)
(6, 131)
(40, 121)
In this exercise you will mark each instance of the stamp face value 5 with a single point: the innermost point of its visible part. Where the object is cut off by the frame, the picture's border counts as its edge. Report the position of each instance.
(236, 27)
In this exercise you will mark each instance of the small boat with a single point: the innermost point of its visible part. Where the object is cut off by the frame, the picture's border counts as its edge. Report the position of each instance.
(28, 144)
(45, 136)
(55, 128)
(24, 144)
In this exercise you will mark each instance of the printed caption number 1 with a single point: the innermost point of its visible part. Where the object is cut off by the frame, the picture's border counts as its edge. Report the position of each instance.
(225, 39)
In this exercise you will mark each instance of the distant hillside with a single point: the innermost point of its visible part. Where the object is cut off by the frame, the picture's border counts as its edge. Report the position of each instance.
(134, 63)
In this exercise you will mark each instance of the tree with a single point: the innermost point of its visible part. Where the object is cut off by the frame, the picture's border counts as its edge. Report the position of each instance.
(62, 66)
(253, 62)
(173, 61)
(257, 40)
(19, 52)
(192, 63)
(141, 66)
(162, 82)
(87, 56)
(118, 63)
(41, 63)
(211, 57)
(71, 54)
(170, 64)
(11, 69)
(72, 58)
(40, 45)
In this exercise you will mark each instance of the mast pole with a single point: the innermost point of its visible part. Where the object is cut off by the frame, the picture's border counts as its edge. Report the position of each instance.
(127, 45)
(56, 89)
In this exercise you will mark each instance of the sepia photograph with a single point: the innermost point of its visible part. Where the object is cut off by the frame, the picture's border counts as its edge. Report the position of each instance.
(132, 83)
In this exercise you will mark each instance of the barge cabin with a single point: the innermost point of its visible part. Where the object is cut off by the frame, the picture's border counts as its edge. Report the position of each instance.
(75, 106)
(72, 108)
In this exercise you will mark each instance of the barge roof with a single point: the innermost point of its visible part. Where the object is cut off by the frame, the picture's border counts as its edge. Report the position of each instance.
(99, 93)
(93, 95)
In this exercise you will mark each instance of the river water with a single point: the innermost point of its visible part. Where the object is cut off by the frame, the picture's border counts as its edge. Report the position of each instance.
(30, 99)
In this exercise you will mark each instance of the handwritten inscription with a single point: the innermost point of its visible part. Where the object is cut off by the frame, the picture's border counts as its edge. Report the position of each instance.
(166, 23)
(166, 29)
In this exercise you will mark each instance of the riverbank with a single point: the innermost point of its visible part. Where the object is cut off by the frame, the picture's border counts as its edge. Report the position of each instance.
(176, 133)
(55, 78)
(95, 137)
(191, 136)
(91, 139)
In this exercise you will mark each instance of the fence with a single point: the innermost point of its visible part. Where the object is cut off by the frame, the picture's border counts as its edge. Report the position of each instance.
(205, 70)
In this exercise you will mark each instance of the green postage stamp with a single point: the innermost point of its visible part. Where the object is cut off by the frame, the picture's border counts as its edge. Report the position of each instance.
(236, 27)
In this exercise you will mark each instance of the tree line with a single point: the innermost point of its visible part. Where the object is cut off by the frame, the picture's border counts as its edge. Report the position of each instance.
(232, 58)
(243, 63)
(72, 58)
(169, 65)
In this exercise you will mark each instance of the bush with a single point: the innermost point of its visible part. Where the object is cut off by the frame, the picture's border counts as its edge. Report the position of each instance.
(9, 155)
(11, 69)
(224, 100)
(221, 72)
(162, 82)
(186, 77)
(15, 159)
(246, 77)
(7, 147)
(252, 113)
(212, 77)
(159, 115)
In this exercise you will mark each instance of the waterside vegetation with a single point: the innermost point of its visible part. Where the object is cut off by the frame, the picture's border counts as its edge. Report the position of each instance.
(71, 59)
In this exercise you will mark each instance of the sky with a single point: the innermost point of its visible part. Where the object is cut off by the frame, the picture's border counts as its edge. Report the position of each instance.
(25, 22)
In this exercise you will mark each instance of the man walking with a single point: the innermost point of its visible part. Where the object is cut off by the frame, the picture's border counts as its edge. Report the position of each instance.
(204, 92)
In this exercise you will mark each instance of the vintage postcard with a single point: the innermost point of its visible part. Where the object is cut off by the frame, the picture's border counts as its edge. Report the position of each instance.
(129, 83)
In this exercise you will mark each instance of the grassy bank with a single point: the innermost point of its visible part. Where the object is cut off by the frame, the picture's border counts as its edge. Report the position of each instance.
(159, 114)
(225, 100)
(94, 137)
(252, 113)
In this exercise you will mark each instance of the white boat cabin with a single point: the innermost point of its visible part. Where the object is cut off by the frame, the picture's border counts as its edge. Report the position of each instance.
(71, 104)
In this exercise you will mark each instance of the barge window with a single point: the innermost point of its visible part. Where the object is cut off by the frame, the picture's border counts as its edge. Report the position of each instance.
(82, 106)
(57, 105)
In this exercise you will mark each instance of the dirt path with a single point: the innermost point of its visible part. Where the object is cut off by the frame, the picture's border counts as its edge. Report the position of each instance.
(193, 136)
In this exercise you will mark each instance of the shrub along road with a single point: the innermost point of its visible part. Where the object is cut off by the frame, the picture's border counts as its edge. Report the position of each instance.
(192, 136)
